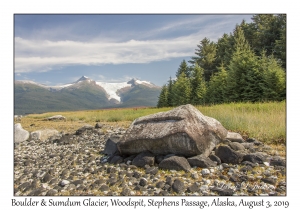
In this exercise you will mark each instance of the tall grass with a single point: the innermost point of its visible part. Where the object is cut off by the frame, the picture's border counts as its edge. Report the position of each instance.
(264, 121)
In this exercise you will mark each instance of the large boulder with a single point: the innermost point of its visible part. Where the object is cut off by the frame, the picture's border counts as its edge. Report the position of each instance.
(20, 134)
(182, 131)
(43, 134)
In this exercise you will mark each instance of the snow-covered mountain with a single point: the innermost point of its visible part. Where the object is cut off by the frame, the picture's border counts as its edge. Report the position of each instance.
(85, 93)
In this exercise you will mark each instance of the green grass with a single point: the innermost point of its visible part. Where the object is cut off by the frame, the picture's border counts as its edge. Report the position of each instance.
(263, 121)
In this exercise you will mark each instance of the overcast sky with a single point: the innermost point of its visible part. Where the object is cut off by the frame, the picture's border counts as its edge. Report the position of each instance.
(59, 49)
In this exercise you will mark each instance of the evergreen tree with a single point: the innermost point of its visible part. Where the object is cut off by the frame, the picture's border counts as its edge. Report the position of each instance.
(181, 90)
(245, 82)
(183, 68)
(163, 97)
(274, 79)
(198, 85)
(216, 91)
(206, 56)
(170, 93)
(224, 50)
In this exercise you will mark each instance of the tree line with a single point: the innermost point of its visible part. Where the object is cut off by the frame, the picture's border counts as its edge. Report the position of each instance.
(248, 64)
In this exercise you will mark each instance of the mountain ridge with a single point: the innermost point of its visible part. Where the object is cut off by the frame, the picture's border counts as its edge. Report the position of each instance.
(83, 94)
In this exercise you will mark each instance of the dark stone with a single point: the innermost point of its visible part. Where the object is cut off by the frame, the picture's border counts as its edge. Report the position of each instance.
(175, 163)
(23, 186)
(104, 188)
(131, 157)
(152, 170)
(77, 182)
(223, 191)
(248, 163)
(169, 180)
(47, 178)
(116, 159)
(227, 155)
(99, 125)
(178, 186)
(111, 145)
(201, 161)
(246, 168)
(223, 177)
(99, 181)
(160, 184)
(159, 158)
(136, 174)
(125, 192)
(234, 178)
(215, 158)
(255, 158)
(36, 192)
(236, 146)
(143, 182)
(278, 162)
(143, 159)
(83, 129)
(51, 192)
(269, 180)
(193, 188)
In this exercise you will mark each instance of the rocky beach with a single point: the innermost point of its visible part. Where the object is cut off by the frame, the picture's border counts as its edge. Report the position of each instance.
(89, 163)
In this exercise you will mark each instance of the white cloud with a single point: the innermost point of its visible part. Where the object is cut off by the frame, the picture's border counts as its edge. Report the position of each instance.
(32, 55)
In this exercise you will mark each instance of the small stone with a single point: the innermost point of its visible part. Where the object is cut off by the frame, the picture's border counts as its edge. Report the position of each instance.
(178, 186)
(64, 183)
(143, 182)
(205, 171)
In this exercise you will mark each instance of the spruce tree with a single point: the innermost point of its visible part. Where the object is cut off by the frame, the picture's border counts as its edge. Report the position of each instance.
(163, 97)
(170, 93)
(274, 79)
(183, 68)
(181, 90)
(198, 85)
(245, 82)
(216, 90)
(206, 56)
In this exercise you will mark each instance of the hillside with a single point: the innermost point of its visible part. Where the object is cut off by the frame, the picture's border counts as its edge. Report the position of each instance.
(84, 94)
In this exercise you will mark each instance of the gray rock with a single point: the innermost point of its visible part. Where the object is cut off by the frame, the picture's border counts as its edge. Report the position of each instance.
(201, 161)
(269, 180)
(257, 157)
(20, 134)
(99, 125)
(234, 137)
(116, 159)
(178, 186)
(152, 170)
(227, 155)
(205, 171)
(43, 134)
(111, 145)
(175, 163)
(193, 188)
(55, 118)
(236, 146)
(277, 162)
(143, 182)
(104, 188)
(83, 129)
(144, 158)
(223, 191)
(52, 192)
(215, 159)
(64, 183)
(181, 131)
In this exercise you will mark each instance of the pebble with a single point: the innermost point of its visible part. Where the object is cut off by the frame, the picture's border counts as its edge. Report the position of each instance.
(76, 167)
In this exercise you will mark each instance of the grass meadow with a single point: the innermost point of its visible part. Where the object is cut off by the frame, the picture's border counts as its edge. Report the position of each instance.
(263, 121)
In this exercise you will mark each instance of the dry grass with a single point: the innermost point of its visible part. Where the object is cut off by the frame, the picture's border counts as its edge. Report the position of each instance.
(264, 121)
